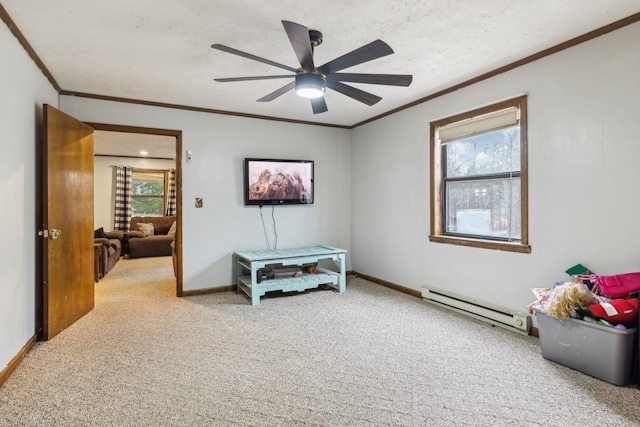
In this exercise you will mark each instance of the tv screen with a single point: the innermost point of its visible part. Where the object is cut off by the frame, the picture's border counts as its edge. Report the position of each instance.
(278, 182)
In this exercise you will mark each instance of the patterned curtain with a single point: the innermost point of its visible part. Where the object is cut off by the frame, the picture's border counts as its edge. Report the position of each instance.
(122, 214)
(171, 194)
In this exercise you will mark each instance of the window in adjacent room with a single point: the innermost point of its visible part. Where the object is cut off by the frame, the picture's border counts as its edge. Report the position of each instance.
(479, 178)
(147, 192)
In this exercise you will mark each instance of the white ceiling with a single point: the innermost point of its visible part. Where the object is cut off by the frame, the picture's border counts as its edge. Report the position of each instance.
(159, 51)
(124, 144)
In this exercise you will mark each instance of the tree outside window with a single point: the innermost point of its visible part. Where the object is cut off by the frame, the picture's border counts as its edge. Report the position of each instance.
(147, 193)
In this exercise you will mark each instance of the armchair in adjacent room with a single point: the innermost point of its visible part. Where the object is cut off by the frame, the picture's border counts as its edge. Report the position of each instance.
(111, 251)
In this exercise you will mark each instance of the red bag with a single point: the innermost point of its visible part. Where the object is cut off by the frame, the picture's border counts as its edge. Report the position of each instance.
(618, 285)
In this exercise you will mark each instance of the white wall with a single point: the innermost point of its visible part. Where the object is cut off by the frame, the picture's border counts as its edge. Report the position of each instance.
(219, 144)
(584, 146)
(104, 184)
(23, 90)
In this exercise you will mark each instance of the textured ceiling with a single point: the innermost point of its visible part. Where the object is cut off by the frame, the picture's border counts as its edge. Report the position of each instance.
(159, 51)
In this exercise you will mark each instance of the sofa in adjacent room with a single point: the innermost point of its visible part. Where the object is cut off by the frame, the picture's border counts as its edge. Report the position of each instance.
(111, 251)
(151, 236)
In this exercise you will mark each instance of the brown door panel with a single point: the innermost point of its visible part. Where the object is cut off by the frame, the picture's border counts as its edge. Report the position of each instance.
(68, 287)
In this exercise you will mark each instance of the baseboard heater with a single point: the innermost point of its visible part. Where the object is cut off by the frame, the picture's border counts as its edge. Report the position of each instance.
(498, 316)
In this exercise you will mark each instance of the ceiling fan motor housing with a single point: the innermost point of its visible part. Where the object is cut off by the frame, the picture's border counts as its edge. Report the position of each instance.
(315, 37)
(310, 85)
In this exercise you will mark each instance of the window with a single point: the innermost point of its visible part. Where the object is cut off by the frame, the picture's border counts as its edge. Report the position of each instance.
(147, 192)
(479, 178)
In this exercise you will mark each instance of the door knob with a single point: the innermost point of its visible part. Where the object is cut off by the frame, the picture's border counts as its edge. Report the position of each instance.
(54, 234)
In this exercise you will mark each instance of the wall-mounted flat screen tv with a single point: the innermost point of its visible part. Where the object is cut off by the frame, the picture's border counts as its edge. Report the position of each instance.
(278, 182)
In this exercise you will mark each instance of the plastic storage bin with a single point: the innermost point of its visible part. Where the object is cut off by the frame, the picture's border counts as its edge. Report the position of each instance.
(604, 353)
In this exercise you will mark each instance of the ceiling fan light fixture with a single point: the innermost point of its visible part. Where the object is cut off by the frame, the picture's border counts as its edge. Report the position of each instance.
(310, 85)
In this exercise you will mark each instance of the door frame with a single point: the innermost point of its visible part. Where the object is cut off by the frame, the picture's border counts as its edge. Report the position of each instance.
(178, 136)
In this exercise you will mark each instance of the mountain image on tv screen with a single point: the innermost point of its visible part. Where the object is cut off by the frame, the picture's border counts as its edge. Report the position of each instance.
(278, 186)
(278, 182)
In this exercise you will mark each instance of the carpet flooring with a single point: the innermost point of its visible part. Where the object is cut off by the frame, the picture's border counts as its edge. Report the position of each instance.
(368, 357)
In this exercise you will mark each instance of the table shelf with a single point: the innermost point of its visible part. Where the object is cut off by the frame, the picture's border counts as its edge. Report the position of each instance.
(250, 264)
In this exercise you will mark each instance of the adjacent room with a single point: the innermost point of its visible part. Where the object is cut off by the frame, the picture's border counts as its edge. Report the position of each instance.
(148, 163)
(457, 154)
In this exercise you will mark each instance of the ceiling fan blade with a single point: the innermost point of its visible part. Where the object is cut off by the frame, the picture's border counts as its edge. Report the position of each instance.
(318, 105)
(374, 50)
(277, 93)
(250, 56)
(374, 79)
(299, 38)
(244, 79)
(357, 94)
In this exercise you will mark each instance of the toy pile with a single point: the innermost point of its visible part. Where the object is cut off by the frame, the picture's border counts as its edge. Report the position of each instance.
(605, 300)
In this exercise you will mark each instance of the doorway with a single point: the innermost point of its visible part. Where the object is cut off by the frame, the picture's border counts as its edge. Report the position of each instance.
(120, 142)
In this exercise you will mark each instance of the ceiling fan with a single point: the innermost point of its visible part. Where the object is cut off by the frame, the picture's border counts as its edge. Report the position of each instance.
(311, 81)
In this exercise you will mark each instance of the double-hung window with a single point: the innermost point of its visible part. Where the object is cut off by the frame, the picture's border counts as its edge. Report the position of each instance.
(147, 192)
(479, 178)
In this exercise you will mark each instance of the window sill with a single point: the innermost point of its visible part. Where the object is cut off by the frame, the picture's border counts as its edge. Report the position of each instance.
(485, 244)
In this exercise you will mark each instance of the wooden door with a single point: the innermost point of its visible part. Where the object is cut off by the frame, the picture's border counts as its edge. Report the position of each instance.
(67, 221)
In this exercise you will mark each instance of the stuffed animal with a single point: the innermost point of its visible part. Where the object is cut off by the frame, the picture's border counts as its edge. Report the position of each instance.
(563, 299)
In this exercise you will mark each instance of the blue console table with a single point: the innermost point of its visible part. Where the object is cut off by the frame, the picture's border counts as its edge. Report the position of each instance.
(249, 262)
